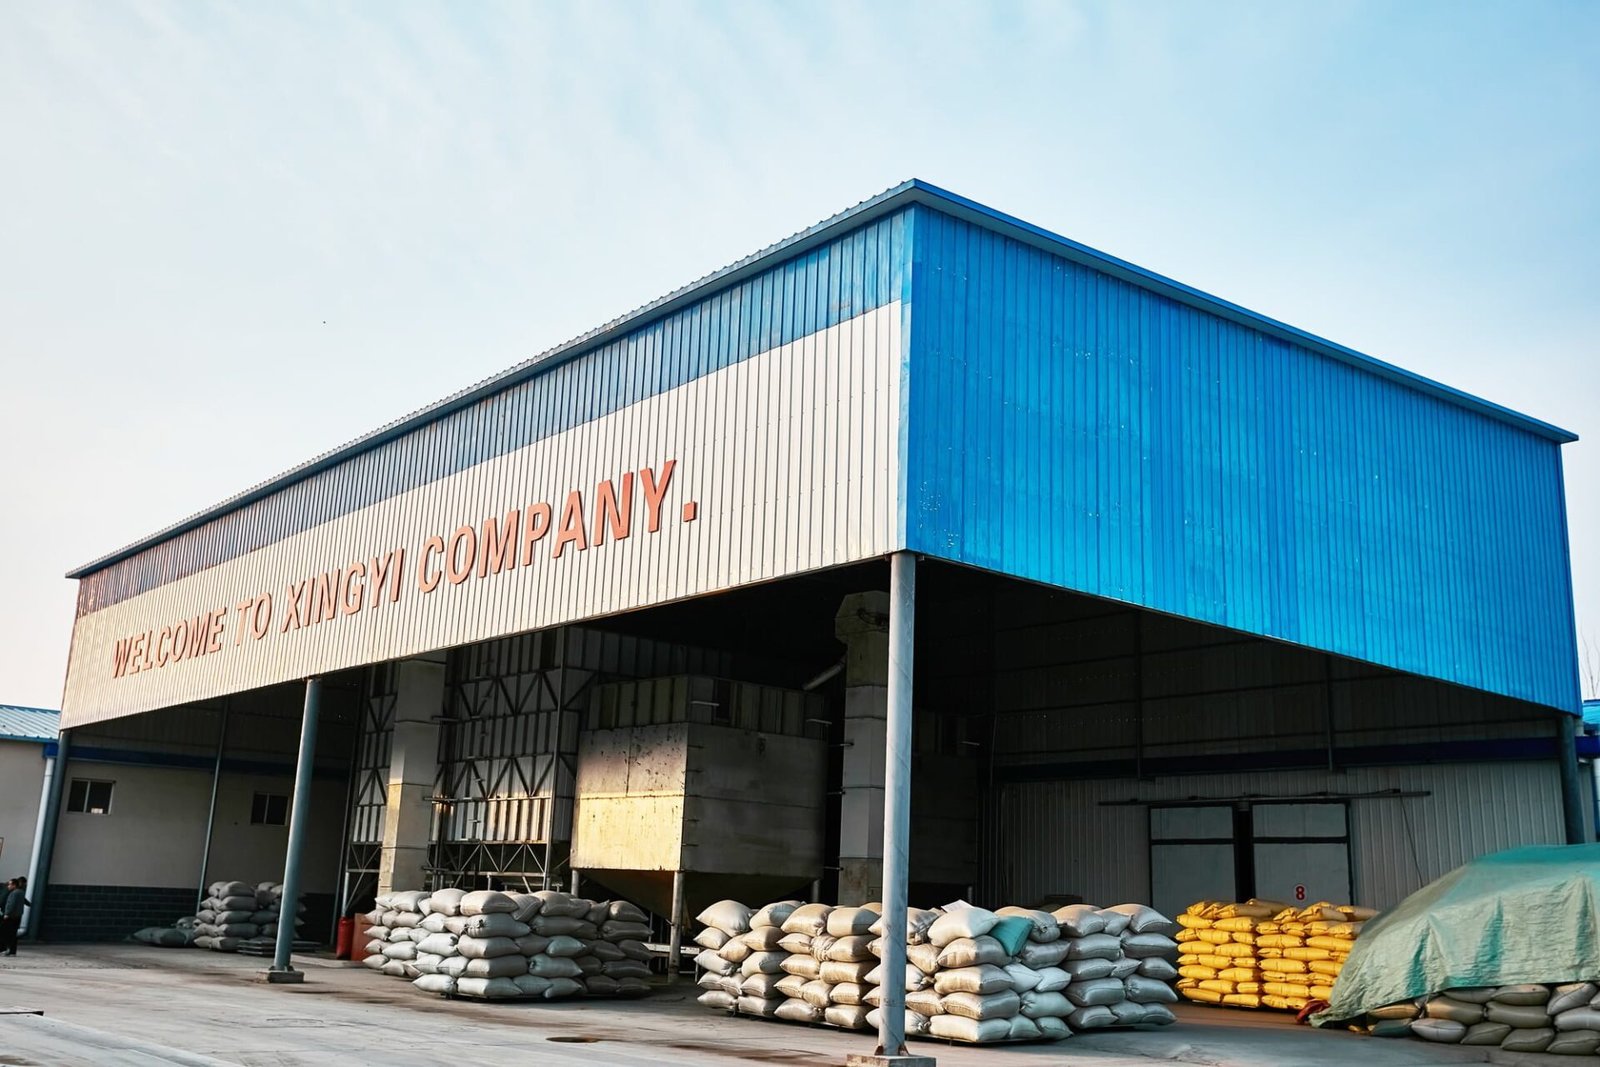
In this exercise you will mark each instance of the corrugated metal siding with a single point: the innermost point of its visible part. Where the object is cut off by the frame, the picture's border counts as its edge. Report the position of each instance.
(1055, 837)
(1071, 428)
(789, 456)
(856, 273)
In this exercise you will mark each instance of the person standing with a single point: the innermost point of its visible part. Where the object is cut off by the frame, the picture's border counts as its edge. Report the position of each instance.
(11, 914)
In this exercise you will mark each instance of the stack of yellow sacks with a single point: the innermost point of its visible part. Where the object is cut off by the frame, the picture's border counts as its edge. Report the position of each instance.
(1263, 953)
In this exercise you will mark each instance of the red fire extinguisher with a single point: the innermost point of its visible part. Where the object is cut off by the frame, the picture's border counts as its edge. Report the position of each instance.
(344, 941)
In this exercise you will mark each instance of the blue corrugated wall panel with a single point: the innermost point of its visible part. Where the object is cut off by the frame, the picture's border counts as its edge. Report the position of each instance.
(852, 274)
(1075, 429)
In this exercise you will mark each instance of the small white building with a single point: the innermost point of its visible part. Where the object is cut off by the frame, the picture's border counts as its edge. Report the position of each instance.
(27, 750)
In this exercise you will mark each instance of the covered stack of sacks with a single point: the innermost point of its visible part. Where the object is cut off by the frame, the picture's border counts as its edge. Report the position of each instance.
(1558, 1019)
(235, 912)
(971, 974)
(180, 934)
(1264, 954)
(505, 946)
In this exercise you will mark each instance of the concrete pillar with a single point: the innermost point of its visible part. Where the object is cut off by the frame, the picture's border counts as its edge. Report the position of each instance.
(413, 764)
(863, 625)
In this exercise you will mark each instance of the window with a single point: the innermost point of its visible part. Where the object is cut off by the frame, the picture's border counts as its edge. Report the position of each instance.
(269, 809)
(90, 796)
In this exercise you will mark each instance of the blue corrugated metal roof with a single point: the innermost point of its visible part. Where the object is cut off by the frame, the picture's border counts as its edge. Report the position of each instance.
(886, 203)
(1591, 712)
(28, 724)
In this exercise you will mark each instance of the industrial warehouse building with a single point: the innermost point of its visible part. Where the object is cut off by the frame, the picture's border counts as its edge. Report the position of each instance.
(1203, 606)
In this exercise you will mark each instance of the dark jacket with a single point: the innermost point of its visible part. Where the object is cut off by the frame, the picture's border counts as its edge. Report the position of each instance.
(14, 904)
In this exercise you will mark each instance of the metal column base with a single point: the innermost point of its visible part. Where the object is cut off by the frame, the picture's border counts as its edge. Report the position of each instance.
(857, 1059)
(288, 976)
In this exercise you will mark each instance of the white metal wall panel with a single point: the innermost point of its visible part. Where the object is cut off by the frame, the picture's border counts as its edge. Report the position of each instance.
(790, 458)
(1056, 837)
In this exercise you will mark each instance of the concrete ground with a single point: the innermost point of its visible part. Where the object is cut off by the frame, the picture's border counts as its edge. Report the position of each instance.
(125, 1005)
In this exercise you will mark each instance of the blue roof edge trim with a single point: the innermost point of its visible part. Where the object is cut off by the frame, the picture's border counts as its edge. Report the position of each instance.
(914, 191)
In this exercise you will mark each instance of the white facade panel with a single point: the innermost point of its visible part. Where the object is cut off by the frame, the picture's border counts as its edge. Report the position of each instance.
(22, 765)
(155, 832)
(779, 464)
(1056, 837)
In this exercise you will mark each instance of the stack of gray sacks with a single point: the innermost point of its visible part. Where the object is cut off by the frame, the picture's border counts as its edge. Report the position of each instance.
(234, 912)
(1552, 1019)
(505, 946)
(971, 974)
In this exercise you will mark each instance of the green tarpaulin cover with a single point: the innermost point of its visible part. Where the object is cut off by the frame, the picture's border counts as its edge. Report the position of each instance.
(1524, 915)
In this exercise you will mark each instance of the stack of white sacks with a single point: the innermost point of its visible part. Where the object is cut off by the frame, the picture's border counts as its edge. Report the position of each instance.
(971, 974)
(504, 946)
(234, 912)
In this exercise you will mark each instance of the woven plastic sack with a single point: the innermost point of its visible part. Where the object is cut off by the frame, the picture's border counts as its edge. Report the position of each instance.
(968, 922)
(794, 1011)
(809, 919)
(758, 1007)
(973, 952)
(1039, 956)
(849, 992)
(1444, 1031)
(1143, 920)
(1023, 977)
(984, 979)
(1096, 992)
(498, 967)
(711, 938)
(961, 1028)
(1046, 927)
(773, 914)
(846, 1016)
(980, 1006)
(1091, 1018)
(1080, 920)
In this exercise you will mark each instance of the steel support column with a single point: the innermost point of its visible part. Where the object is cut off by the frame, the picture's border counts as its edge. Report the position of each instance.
(299, 819)
(45, 846)
(675, 939)
(897, 802)
(1571, 793)
(211, 811)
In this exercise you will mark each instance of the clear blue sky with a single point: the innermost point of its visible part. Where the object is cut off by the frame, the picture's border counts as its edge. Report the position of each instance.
(238, 234)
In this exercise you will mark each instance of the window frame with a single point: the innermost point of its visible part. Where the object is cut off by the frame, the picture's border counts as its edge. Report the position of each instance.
(261, 803)
(87, 801)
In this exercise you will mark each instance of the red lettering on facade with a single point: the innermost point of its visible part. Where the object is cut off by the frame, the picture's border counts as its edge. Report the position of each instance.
(426, 582)
(535, 525)
(609, 512)
(457, 568)
(573, 526)
(497, 548)
(291, 615)
(218, 620)
(655, 492)
(354, 579)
